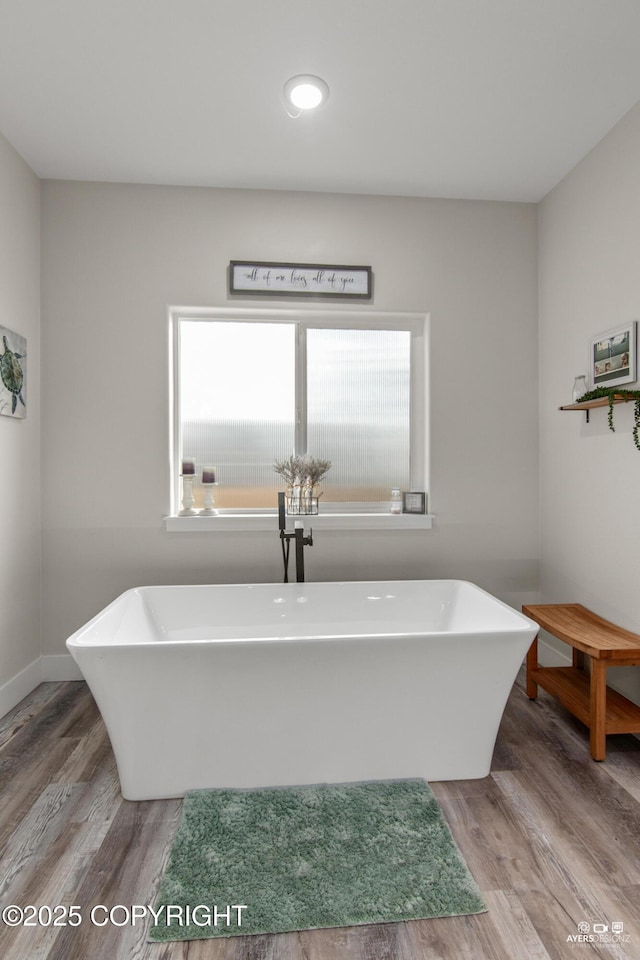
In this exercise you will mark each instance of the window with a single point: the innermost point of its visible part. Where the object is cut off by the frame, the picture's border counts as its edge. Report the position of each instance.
(253, 387)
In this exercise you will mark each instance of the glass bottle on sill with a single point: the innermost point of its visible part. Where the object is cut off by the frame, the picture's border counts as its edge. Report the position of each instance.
(396, 501)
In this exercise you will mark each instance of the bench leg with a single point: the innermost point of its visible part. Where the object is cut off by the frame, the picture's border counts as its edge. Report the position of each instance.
(578, 659)
(598, 706)
(532, 664)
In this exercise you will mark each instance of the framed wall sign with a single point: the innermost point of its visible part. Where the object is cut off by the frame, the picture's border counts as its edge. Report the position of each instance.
(612, 356)
(414, 502)
(263, 279)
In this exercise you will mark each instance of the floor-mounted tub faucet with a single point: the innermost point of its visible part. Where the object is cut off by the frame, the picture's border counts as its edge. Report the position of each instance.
(286, 538)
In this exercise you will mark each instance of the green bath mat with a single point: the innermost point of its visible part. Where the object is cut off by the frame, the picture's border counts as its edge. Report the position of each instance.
(299, 858)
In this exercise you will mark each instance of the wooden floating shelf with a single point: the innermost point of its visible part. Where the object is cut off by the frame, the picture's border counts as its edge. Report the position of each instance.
(587, 405)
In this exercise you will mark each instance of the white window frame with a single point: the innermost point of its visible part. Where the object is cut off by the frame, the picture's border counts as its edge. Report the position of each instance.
(334, 515)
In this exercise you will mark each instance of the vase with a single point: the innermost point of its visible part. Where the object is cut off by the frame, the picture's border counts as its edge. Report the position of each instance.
(579, 388)
(302, 500)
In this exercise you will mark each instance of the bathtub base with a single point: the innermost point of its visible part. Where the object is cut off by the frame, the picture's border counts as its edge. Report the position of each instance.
(255, 712)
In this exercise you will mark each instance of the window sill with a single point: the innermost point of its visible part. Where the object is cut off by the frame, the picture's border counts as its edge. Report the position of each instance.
(234, 522)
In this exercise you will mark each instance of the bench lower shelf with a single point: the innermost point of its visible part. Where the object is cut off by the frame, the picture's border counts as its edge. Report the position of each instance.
(571, 686)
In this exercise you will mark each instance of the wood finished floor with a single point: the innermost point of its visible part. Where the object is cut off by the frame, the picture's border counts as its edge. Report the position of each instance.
(551, 837)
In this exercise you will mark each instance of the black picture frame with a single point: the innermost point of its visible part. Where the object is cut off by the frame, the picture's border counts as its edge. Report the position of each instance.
(261, 278)
(414, 501)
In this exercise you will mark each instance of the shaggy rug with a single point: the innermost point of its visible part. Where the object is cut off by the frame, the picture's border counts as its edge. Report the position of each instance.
(298, 858)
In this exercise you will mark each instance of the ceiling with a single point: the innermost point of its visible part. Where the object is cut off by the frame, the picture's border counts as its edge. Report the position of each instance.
(489, 99)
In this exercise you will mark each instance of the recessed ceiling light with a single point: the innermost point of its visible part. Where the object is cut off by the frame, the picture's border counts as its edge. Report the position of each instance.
(304, 92)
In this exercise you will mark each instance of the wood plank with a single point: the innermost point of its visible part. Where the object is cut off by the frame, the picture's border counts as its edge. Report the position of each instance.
(462, 938)
(493, 842)
(624, 769)
(380, 940)
(21, 784)
(24, 712)
(35, 833)
(514, 928)
(126, 870)
(92, 756)
(572, 843)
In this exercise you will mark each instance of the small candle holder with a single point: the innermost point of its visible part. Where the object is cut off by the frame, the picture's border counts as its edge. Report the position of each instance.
(209, 502)
(188, 499)
(209, 482)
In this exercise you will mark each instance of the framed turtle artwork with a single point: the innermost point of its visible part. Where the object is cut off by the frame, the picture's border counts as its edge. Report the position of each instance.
(13, 374)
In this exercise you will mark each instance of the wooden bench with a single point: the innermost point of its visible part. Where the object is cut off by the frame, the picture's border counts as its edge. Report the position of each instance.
(584, 694)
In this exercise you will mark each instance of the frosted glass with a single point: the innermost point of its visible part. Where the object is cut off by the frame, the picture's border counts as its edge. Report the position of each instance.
(237, 406)
(358, 410)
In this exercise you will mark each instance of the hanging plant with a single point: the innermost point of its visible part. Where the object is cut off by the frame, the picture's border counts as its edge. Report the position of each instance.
(611, 394)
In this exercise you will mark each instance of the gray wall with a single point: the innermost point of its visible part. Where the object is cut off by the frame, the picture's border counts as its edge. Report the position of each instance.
(590, 478)
(115, 256)
(20, 439)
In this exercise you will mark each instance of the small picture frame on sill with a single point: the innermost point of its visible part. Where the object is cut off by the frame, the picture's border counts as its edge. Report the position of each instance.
(414, 501)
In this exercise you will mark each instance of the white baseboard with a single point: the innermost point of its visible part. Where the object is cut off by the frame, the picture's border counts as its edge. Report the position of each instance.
(14, 690)
(548, 656)
(62, 667)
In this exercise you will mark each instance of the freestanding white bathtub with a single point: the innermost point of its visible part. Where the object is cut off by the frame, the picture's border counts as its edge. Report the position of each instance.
(269, 684)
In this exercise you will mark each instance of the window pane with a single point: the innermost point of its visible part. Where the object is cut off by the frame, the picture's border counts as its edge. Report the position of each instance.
(237, 405)
(358, 406)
